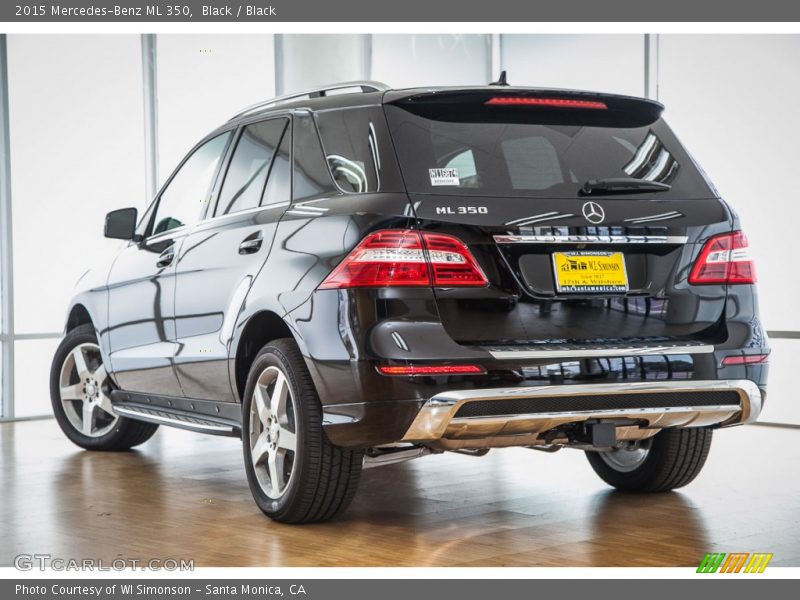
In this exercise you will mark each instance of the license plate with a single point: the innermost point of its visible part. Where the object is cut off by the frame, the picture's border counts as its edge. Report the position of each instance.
(590, 272)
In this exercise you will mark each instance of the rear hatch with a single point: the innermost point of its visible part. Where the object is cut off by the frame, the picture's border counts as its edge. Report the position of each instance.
(583, 210)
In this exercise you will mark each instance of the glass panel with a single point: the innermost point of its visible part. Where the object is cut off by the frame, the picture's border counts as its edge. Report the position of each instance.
(279, 184)
(203, 80)
(782, 405)
(78, 148)
(745, 137)
(247, 174)
(350, 142)
(419, 60)
(32, 359)
(321, 59)
(181, 202)
(311, 175)
(600, 63)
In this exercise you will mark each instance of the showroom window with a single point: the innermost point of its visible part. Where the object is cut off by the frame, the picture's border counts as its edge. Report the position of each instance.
(182, 200)
(247, 174)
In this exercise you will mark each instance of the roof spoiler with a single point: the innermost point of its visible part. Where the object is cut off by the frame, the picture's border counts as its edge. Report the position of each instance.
(527, 105)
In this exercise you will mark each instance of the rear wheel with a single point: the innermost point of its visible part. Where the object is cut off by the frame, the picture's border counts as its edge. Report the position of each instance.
(295, 474)
(80, 391)
(669, 460)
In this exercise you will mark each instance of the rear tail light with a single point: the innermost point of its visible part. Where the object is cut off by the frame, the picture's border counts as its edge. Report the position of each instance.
(747, 359)
(404, 257)
(725, 259)
(431, 370)
(547, 102)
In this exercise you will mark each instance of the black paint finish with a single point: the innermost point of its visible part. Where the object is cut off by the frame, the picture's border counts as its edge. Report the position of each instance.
(178, 313)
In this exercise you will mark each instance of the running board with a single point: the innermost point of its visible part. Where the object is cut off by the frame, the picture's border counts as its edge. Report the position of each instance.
(202, 416)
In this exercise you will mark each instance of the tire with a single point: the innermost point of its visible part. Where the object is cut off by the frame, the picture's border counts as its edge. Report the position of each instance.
(78, 392)
(282, 427)
(672, 459)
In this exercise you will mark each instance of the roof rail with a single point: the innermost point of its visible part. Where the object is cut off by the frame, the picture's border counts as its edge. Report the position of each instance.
(319, 92)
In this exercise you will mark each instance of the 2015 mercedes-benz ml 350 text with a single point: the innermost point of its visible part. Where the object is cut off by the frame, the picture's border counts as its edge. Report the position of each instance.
(355, 276)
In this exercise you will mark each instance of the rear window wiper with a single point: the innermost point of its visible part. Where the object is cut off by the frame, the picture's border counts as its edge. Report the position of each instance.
(622, 185)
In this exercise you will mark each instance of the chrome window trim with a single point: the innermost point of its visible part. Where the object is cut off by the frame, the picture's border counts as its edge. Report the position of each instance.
(590, 239)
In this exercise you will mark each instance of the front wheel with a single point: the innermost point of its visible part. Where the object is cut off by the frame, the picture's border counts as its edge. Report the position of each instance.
(80, 391)
(670, 459)
(295, 474)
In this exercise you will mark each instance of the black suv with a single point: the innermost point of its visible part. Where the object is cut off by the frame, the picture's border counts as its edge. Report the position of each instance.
(355, 276)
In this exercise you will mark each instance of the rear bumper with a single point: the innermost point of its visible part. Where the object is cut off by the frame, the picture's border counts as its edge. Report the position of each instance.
(511, 417)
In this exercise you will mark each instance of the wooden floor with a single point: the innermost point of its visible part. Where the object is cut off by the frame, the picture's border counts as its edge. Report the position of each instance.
(184, 495)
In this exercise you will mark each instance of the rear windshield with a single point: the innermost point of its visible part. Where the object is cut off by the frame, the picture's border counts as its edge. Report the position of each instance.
(551, 160)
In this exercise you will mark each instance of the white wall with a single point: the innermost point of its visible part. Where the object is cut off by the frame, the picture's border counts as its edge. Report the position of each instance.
(203, 80)
(315, 60)
(601, 63)
(731, 99)
(77, 152)
(419, 60)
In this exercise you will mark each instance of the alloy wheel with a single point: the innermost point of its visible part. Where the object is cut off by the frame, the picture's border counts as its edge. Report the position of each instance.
(85, 389)
(273, 432)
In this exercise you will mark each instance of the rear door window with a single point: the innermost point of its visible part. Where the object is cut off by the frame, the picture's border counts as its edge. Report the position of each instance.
(310, 175)
(253, 159)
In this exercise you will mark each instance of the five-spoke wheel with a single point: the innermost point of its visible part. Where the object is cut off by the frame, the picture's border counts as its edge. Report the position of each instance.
(80, 392)
(295, 474)
(273, 432)
(85, 391)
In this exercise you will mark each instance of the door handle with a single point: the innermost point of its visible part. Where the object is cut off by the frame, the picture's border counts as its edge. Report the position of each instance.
(166, 257)
(251, 244)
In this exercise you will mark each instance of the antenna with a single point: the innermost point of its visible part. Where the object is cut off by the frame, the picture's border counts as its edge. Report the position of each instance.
(502, 81)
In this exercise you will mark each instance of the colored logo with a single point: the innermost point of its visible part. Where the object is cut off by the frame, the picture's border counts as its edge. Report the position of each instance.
(734, 562)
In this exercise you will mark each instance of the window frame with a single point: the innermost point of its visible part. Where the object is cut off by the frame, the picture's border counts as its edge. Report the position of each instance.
(230, 154)
(145, 227)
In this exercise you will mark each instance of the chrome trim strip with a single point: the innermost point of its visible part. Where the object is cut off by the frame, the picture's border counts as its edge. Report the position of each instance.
(437, 417)
(590, 239)
(601, 352)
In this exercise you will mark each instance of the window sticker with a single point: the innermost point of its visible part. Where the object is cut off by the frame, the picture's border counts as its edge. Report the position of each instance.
(444, 177)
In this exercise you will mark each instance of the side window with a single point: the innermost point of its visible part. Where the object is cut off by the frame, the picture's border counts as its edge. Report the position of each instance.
(310, 173)
(352, 147)
(182, 200)
(250, 166)
(279, 184)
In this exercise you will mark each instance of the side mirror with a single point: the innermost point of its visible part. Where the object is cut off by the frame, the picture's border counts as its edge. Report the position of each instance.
(121, 224)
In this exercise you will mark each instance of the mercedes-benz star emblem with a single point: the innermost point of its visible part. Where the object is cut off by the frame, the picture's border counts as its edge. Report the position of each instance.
(593, 212)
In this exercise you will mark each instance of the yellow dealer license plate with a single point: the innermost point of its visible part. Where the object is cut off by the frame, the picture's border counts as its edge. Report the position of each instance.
(590, 272)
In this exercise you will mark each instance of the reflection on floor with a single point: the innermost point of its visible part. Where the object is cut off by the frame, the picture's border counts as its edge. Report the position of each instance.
(184, 495)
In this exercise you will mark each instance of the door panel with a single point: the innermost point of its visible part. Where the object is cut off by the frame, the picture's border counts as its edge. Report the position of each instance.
(142, 280)
(141, 317)
(222, 256)
(214, 274)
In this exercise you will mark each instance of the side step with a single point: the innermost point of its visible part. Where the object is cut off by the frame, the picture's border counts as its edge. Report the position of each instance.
(202, 416)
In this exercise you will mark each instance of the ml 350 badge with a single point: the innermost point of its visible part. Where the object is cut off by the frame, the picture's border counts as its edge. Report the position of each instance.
(590, 272)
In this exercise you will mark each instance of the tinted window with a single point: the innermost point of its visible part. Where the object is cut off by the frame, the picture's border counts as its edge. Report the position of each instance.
(311, 176)
(182, 200)
(500, 158)
(352, 147)
(279, 184)
(250, 166)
